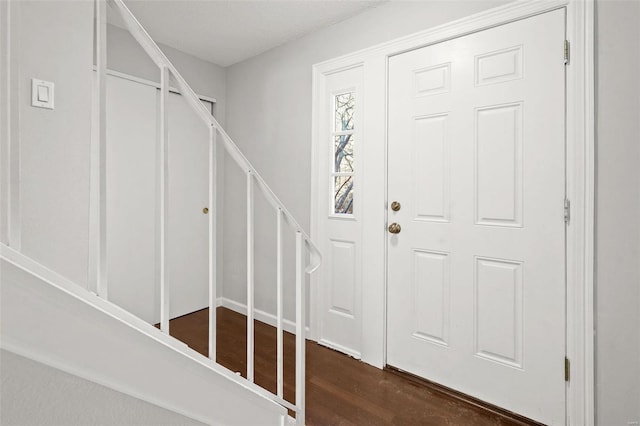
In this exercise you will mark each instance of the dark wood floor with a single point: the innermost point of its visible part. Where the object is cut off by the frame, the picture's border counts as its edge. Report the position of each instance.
(340, 389)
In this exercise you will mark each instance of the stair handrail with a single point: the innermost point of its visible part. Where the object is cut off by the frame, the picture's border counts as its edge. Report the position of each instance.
(160, 59)
(302, 239)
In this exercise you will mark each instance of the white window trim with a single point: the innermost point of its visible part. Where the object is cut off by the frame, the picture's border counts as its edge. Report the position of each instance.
(580, 182)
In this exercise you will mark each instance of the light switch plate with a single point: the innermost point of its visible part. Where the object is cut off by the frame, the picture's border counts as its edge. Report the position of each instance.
(41, 93)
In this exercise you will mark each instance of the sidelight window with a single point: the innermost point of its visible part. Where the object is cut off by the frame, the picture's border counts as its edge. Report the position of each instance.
(343, 173)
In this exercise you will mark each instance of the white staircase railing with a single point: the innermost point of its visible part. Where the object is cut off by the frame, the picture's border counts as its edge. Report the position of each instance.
(253, 180)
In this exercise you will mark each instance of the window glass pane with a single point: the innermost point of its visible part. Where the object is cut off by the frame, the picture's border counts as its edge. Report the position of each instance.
(343, 194)
(344, 111)
(343, 154)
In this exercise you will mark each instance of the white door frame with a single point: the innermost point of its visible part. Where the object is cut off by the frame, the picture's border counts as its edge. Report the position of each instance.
(580, 186)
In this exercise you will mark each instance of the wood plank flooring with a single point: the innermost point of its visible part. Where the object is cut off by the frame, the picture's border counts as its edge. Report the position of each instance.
(340, 389)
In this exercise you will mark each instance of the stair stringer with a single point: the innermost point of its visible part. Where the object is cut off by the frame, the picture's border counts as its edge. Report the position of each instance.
(58, 323)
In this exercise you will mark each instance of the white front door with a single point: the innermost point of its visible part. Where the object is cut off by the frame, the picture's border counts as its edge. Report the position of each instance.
(476, 159)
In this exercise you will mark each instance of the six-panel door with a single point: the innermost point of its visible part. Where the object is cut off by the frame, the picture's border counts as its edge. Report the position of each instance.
(476, 277)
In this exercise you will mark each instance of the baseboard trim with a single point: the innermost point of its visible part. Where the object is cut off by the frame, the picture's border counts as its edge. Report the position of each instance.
(260, 315)
(513, 418)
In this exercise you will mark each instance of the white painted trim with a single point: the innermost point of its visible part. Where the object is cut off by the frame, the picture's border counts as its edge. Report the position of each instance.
(279, 309)
(580, 179)
(5, 120)
(94, 188)
(301, 343)
(213, 242)
(152, 83)
(10, 124)
(259, 315)
(480, 21)
(250, 278)
(91, 299)
(99, 244)
(162, 210)
(315, 303)
(581, 230)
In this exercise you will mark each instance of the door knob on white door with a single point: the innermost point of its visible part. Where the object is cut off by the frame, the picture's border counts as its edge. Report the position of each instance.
(395, 228)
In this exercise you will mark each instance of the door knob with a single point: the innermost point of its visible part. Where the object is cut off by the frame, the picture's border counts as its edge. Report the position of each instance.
(205, 210)
(395, 228)
(395, 206)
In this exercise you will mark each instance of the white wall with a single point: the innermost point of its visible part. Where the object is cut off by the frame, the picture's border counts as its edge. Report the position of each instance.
(124, 54)
(36, 394)
(269, 118)
(53, 41)
(618, 212)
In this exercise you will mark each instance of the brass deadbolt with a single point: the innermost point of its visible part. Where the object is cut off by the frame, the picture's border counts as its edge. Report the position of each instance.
(205, 210)
(395, 206)
(395, 228)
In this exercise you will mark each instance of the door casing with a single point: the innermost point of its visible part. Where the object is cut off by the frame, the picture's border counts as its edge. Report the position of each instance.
(580, 183)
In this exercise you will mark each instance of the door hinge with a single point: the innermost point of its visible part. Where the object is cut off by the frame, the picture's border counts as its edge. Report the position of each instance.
(567, 369)
(567, 52)
(567, 211)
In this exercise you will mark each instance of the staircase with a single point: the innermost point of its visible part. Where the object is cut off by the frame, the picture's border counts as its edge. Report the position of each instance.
(50, 319)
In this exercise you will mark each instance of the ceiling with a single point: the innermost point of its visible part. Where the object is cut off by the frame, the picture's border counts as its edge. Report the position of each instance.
(228, 31)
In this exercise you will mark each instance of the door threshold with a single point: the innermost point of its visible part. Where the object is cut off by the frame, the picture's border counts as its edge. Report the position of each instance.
(514, 418)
